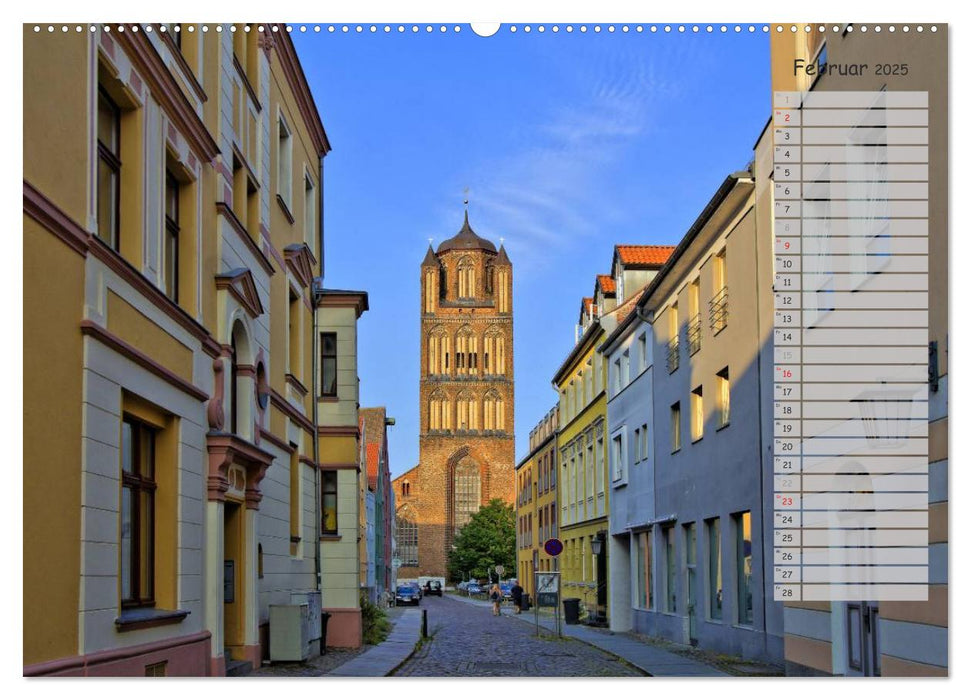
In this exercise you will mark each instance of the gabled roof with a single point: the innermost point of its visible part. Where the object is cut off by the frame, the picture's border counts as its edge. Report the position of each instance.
(643, 255)
(607, 285)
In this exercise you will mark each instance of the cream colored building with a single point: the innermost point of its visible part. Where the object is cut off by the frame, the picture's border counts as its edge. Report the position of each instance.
(171, 231)
(338, 402)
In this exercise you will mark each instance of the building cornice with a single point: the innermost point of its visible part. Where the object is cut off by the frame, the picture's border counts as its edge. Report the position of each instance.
(587, 341)
(166, 90)
(300, 87)
(110, 340)
(342, 299)
(289, 410)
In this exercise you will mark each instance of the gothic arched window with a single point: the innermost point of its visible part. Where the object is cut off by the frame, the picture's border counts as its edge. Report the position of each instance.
(467, 490)
(466, 351)
(467, 414)
(494, 414)
(466, 278)
(406, 529)
(439, 345)
(438, 411)
(491, 347)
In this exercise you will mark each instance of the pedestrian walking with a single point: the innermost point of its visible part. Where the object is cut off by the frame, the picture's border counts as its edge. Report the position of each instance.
(517, 596)
(495, 595)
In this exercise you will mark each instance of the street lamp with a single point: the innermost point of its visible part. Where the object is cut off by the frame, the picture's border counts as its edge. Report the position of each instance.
(597, 548)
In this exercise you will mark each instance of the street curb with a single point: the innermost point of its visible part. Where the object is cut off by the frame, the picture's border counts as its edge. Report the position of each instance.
(411, 652)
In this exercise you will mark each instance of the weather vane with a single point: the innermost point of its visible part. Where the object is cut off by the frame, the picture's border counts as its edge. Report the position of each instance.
(466, 191)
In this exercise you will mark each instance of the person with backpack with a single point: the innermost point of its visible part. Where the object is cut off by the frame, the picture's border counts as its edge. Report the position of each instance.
(517, 596)
(495, 595)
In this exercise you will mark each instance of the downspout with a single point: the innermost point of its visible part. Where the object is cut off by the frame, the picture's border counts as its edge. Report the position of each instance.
(315, 287)
(758, 365)
(316, 442)
(650, 321)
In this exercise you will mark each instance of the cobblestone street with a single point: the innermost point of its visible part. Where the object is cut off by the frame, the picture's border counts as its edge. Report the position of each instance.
(466, 640)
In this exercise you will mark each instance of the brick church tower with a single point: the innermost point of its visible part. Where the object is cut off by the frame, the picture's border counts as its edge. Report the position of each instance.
(466, 444)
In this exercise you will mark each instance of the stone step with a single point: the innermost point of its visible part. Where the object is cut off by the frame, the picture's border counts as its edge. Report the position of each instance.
(238, 668)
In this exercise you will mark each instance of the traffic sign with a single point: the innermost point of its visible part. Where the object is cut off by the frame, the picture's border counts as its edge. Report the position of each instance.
(500, 569)
(553, 547)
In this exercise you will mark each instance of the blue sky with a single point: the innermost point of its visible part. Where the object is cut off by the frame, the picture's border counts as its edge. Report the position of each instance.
(568, 143)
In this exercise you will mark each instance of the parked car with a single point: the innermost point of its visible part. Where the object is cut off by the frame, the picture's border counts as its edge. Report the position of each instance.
(407, 594)
(462, 585)
(473, 589)
(506, 589)
(434, 588)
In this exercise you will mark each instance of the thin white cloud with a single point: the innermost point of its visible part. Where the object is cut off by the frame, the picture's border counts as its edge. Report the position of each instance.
(557, 188)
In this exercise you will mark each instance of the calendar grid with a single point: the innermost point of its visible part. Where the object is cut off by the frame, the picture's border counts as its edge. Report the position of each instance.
(851, 319)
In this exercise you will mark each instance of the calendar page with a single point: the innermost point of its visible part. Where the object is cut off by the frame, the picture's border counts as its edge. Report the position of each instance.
(409, 346)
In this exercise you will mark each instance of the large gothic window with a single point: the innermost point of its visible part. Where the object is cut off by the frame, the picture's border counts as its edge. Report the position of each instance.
(467, 492)
(407, 537)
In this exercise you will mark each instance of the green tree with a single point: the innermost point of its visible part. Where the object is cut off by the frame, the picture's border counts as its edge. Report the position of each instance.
(489, 538)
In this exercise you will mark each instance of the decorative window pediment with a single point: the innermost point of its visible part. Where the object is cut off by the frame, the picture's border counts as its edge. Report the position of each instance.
(300, 261)
(241, 286)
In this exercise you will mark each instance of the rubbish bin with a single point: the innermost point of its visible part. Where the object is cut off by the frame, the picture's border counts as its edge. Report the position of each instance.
(571, 611)
(324, 616)
(526, 601)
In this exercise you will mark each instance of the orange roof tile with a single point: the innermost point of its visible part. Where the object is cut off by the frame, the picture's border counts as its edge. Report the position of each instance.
(607, 284)
(644, 254)
(372, 464)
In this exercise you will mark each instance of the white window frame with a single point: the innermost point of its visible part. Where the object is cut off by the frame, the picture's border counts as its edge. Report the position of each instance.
(618, 467)
(284, 160)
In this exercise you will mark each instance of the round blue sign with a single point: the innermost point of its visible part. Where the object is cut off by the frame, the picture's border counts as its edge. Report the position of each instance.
(553, 547)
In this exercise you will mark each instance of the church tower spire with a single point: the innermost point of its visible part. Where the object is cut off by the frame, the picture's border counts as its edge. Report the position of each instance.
(466, 439)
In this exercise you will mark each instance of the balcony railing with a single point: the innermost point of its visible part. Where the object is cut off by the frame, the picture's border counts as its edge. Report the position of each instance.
(694, 335)
(673, 355)
(718, 310)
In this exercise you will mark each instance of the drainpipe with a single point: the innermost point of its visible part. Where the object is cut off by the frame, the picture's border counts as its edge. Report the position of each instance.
(758, 365)
(313, 374)
(650, 321)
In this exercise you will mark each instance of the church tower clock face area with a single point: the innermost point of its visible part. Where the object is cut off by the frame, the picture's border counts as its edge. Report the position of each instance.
(466, 443)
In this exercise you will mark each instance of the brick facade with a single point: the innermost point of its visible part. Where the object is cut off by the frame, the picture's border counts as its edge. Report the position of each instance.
(466, 443)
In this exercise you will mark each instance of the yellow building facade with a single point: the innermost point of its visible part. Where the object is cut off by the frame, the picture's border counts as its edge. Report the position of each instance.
(582, 493)
(536, 511)
(172, 184)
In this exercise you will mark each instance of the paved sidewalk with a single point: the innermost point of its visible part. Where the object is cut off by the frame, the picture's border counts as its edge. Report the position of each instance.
(650, 659)
(389, 654)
